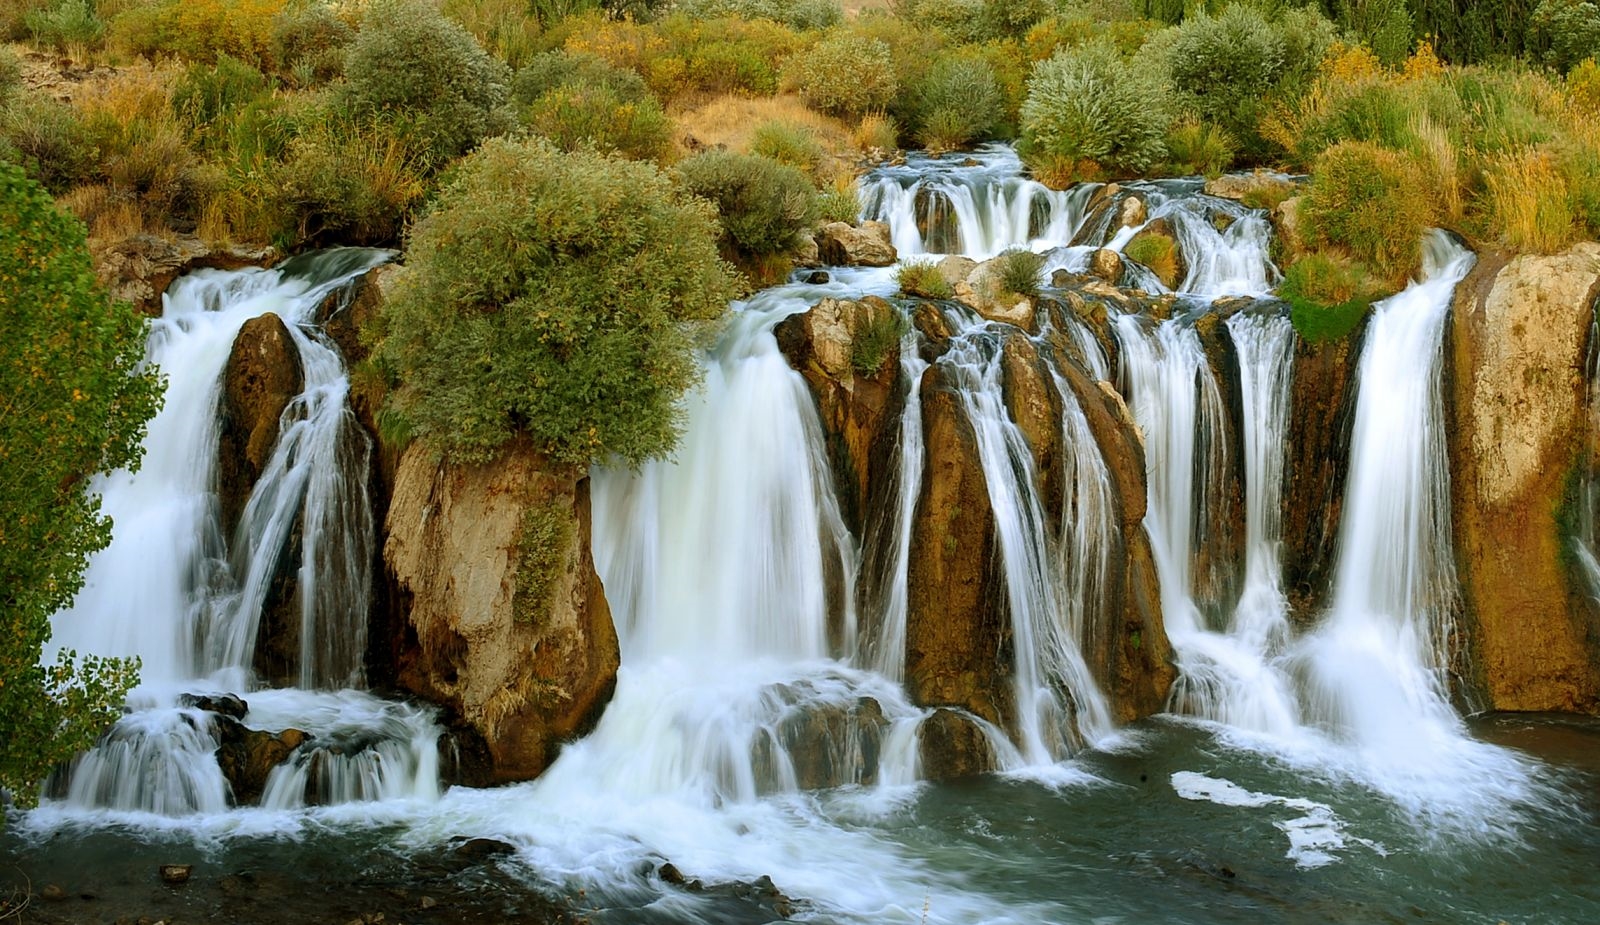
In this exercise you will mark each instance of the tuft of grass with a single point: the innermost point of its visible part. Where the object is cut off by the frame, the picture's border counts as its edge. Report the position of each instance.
(875, 340)
(788, 143)
(876, 132)
(1526, 197)
(838, 204)
(1018, 272)
(1373, 202)
(1196, 147)
(922, 278)
(1158, 253)
(1327, 296)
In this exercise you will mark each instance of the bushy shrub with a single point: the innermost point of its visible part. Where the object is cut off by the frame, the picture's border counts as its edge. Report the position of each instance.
(10, 76)
(309, 41)
(200, 30)
(922, 278)
(1327, 296)
(1198, 147)
(553, 297)
(838, 204)
(1088, 111)
(1018, 271)
(847, 75)
(13, 18)
(876, 132)
(801, 14)
(578, 116)
(1382, 25)
(409, 60)
(347, 183)
(1565, 31)
(49, 140)
(206, 96)
(67, 25)
(1373, 202)
(763, 205)
(553, 70)
(958, 101)
(962, 20)
(507, 29)
(788, 143)
(1227, 70)
(1583, 87)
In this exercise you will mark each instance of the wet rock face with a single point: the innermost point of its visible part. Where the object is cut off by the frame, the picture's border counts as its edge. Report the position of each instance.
(262, 376)
(828, 745)
(953, 746)
(957, 634)
(247, 756)
(526, 676)
(1518, 339)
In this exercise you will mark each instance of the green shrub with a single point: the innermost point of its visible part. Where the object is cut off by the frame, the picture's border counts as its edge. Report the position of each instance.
(875, 341)
(922, 278)
(66, 25)
(348, 183)
(1382, 25)
(847, 75)
(1565, 31)
(788, 143)
(49, 141)
(1471, 33)
(1374, 202)
(957, 102)
(1199, 147)
(962, 20)
(10, 76)
(14, 16)
(1012, 18)
(199, 30)
(79, 394)
(409, 60)
(507, 29)
(1088, 110)
(579, 116)
(1018, 271)
(309, 41)
(553, 70)
(838, 204)
(763, 205)
(207, 96)
(802, 14)
(1327, 296)
(554, 297)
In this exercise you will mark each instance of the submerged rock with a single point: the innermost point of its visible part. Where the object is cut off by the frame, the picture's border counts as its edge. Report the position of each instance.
(1518, 431)
(248, 756)
(529, 661)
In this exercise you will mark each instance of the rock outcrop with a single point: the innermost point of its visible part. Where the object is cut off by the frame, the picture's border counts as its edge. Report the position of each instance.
(951, 746)
(1518, 430)
(1258, 186)
(987, 294)
(262, 376)
(841, 244)
(505, 620)
(139, 268)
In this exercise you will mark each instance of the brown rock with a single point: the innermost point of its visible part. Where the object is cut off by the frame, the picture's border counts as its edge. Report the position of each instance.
(956, 268)
(1031, 400)
(262, 376)
(453, 551)
(139, 268)
(958, 637)
(247, 757)
(1131, 214)
(1106, 264)
(174, 874)
(987, 295)
(952, 746)
(1286, 229)
(1257, 184)
(844, 245)
(1518, 336)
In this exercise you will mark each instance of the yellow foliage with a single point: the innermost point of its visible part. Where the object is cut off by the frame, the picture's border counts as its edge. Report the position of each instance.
(1583, 89)
(1527, 199)
(1423, 63)
(876, 132)
(1350, 63)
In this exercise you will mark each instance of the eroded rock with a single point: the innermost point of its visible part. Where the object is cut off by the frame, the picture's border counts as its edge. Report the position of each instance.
(841, 244)
(952, 746)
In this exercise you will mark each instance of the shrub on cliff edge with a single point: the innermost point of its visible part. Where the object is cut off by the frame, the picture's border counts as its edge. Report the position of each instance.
(553, 297)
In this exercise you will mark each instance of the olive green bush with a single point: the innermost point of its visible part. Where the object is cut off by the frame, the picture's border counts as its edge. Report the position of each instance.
(957, 102)
(309, 41)
(555, 298)
(1090, 112)
(579, 116)
(410, 62)
(1565, 31)
(763, 205)
(847, 75)
(800, 14)
(1373, 202)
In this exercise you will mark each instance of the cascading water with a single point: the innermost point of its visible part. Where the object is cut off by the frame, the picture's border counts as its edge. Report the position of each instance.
(191, 614)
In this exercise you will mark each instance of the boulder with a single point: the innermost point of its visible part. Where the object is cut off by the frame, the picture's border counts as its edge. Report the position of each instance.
(988, 296)
(958, 637)
(1518, 433)
(829, 744)
(805, 252)
(1132, 212)
(1032, 402)
(841, 244)
(858, 407)
(952, 745)
(1258, 186)
(224, 704)
(956, 269)
(247, 756)
(262, 376)
(1106, 264)
(526, 671)
(1287, 240)
(139, 268)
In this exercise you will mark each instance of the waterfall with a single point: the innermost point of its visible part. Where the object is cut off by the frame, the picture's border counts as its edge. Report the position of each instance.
(1377, 665)
(887, 653)
(171, 589)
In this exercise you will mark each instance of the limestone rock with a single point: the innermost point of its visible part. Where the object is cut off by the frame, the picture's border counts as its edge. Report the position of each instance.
(952, 746)
(1132, 212)
(1286, 228)
(829, 745)
(1106, 264)
(958, 638)
(988, 296)
(247, 756)
(1260, 184)
(1032, 402)
(806, 253)
(262, 376)
(841, 244)
(139, 268)
(526, 675)
(956, 269)
(1519, 334)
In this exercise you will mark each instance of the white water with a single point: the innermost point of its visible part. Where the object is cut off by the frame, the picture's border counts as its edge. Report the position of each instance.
(186, 600)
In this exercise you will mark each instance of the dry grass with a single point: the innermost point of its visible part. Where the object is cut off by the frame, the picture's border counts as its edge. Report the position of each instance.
(1526, 197)
(876, 133)
(731, 121)
(1442, 161)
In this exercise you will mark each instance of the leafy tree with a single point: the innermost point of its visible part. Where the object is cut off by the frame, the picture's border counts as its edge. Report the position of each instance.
(74, 399)
(554, 298)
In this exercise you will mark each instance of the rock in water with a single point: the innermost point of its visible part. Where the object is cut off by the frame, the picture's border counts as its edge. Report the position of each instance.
(844, 245)
(175, 874)
(952, 746)
(262, 376)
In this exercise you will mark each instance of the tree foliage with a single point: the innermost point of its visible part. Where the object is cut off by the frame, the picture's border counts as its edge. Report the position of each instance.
(556, 298)
(74, 399)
